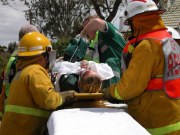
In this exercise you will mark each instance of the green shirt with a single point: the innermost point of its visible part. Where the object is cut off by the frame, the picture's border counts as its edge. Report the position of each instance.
(110, 43)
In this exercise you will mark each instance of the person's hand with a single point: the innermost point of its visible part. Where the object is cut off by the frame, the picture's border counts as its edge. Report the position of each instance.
(68, 97)
(90, 29)
(60, 59)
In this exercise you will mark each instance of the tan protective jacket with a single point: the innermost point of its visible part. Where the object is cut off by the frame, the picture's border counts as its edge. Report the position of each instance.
(31, 96)
(152, 109)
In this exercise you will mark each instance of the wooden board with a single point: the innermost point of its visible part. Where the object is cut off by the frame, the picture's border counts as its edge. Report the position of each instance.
(89, 95)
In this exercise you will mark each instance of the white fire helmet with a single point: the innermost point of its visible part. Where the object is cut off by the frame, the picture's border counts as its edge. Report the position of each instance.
(136, 7)
(173, 32)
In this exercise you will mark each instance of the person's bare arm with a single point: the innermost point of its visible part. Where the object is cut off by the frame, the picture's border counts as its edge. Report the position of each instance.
(94, 25)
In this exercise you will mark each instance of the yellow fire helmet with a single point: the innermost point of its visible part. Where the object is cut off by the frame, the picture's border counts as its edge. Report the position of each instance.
(33, 43)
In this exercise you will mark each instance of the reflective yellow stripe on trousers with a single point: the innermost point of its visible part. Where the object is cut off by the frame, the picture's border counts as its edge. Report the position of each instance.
(27, 111)
(165, 130)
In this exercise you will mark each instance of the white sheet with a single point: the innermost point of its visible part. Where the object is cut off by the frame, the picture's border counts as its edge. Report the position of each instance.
(64, 67)
(93, 121)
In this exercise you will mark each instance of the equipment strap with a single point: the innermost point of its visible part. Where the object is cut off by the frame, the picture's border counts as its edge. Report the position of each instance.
(159, 34)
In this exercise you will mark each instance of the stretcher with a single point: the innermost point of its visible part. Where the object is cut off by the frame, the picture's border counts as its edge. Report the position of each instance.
(110, 119)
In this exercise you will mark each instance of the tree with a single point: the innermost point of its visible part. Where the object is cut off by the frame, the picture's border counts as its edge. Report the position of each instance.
(3, 48)
(11, 47)
(56, 18)
(60, 46)
(107, 9)
(4, 56)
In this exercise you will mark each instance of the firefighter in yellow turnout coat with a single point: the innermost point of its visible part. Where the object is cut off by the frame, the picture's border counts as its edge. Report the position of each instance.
(10, 70)
(32, 95)
(153, 109)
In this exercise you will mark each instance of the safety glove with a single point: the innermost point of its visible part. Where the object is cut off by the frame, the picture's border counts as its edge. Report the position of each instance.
(109, 98)
(68, 98)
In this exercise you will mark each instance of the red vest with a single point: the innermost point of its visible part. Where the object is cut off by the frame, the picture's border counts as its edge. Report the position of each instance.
(170, 81)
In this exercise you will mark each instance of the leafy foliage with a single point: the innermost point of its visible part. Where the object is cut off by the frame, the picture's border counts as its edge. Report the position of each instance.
(57, 18)
(60, 45)
(11, 47)
(3, 48)
(61, 19)
(107, 9)
(5, 53)
(4, 56)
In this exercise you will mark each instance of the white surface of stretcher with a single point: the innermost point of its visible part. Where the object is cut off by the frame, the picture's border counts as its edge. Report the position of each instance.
(93, 121)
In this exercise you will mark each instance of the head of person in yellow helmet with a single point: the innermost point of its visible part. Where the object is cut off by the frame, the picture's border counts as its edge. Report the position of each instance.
(33, 43)
(26, 29)
(37, 46)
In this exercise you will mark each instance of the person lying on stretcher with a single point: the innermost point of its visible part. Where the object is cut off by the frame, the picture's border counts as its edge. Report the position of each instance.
(83, 77)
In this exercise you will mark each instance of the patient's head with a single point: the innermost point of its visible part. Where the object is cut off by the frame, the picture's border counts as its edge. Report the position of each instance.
(89, 82)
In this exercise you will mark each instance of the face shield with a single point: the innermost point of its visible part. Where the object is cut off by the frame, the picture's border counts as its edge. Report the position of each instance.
(51, 57)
